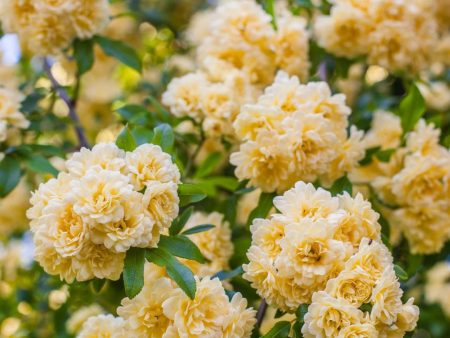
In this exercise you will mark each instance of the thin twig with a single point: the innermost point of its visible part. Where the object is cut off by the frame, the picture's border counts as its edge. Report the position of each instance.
(322, 71)
(261, 312)
(82, 140)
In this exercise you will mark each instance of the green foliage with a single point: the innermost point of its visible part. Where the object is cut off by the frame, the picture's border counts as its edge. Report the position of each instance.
(39, 164)
(179, 273)
(341, 185)
(197, 229)
(411, 109)
(133, 272)
(10, 173)
(263, 207)
(208, 165)
(179, 222)
(280, 330)
(181, 246)
(164, 137)
(120, 51)
(83, 53)
(400, 272)
(125, 140)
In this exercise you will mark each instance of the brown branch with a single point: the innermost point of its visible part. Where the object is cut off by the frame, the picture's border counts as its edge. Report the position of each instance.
(82, 140)
(261, 312)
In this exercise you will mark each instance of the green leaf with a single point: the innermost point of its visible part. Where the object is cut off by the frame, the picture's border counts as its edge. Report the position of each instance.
(179, 273)
(134, 113)
(223, 275)
(30, 103)
(301, 311)
(180, 221)
(164, 137)
(370, 152)
(341, 185)
(120, 51)
(133, 272)
(385, 155)
(83, 53)
(163, 114)
(197, 229)
(366, 307)
(142, 135)
(181, 246)
(40, 164)
(297, 330)
(269, 7)
(187, 189)
(411, 109)
(224, 182)
(280, 330)
(186, 200)
(401, 274)
(9, 175)
(262, 209)
(125, 140)
(208, 165)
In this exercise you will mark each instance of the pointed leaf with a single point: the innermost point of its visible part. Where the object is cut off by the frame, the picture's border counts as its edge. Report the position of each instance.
(178, 272)
(83, 53)
(120, 51)
(197, 229)
(125, 140)
(164, 137)
(133, 272)
(280, 330)
(180, 221)
(265, 203)
(181, 246)
(411, 109)
(9, 175)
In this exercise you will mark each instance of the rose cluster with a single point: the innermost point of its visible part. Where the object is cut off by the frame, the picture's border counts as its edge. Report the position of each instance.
(295, 132)
(295, 252)
(162, 309)
(236, 60)
(398, 35)
(413, 183)
(47, 26)
(364, 300)
(106, 202)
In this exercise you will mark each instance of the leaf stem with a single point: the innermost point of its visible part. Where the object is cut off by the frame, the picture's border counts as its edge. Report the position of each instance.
(82, 140)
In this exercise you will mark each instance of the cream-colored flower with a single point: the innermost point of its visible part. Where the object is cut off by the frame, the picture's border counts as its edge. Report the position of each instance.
(295, 253)
(328, 316)
(246, 204)
(80, 316)
(102, 326)
(100, 195)
(135, 229)
(424, 139)
(291, 45)
(294, 132)
(214, 244)
(436, 95)
(183, 95)
(161, 204)
(40, 28)
(304, 200)
(400, 35)
(54, 189)
(357, 221)
(372, 257)
(209, 314)
(426, 229)
(309, 254)
(144, 314)
(386, 131)
(104, 155)
(89, 17)
(386, 298)
(10, 108)
(345, 31)
(99, 262)
(366, 330)
(149, 163)
(422, 180)
(354, 286)
(437, 288)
